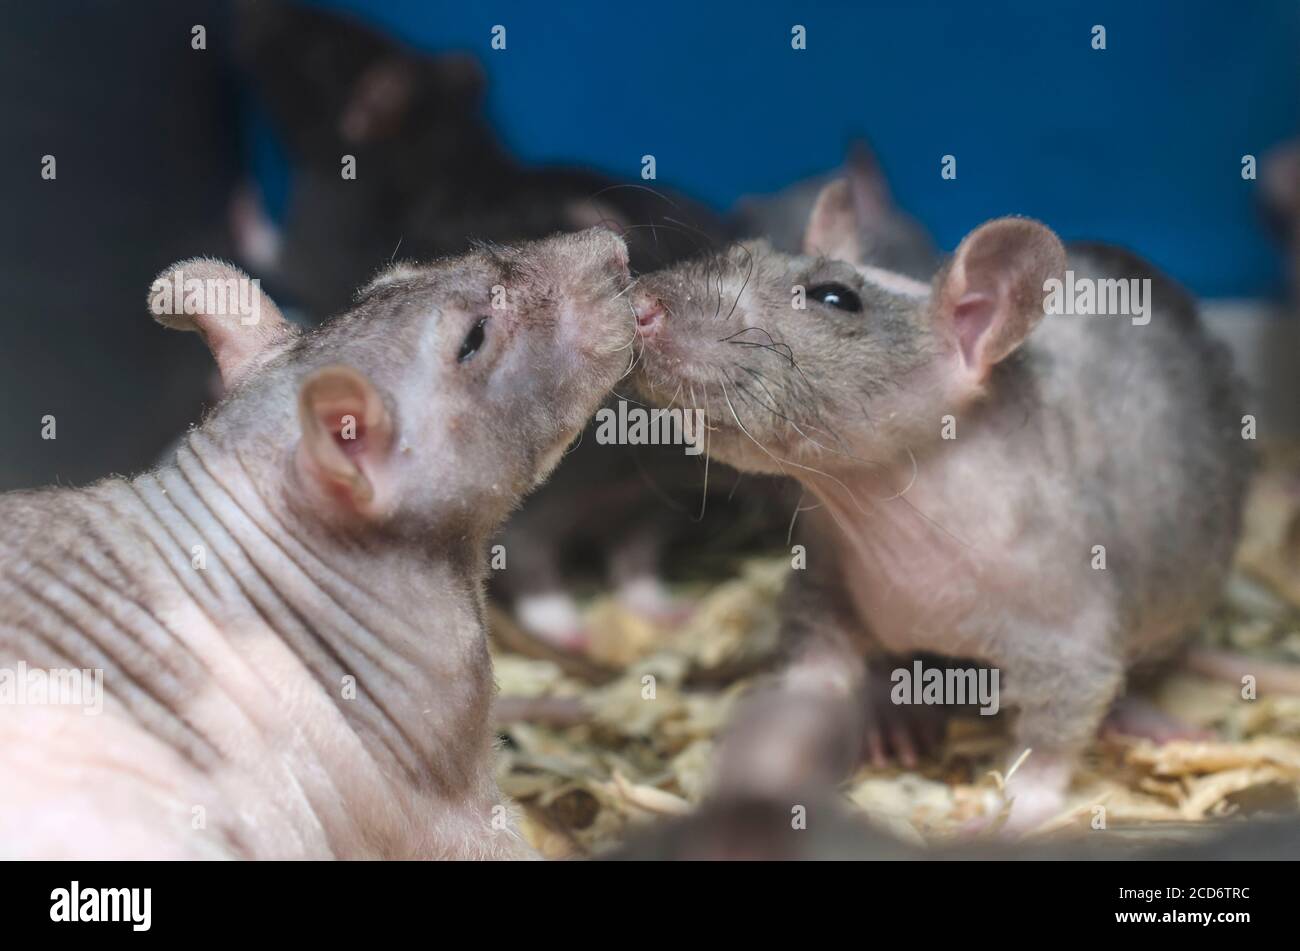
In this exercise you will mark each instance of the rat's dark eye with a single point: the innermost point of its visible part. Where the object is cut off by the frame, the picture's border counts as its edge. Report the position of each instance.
(473, 340)
(837, 296)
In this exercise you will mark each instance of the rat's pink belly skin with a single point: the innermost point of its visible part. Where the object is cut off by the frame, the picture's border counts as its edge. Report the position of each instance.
(929, 570)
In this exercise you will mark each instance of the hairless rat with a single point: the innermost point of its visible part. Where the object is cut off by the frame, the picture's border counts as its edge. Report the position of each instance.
(289, 617)
(1056, 497)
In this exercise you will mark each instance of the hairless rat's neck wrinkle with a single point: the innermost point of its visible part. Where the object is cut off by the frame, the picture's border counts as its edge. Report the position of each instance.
(259, 616)
(72, 603)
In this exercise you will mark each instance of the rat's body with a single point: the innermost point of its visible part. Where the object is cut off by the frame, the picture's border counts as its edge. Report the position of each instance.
(289, 617)
(1077, 444)
(224, 687)
(1089, 431)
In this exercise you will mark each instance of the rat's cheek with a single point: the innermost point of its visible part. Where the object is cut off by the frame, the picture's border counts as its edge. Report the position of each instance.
(577, 376)
(595, 343)
(943, 382)
(520, 382)
(480, 465)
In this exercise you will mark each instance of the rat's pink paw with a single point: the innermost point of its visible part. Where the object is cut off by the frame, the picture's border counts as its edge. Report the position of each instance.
(1133, 716)
(1031, 806)
(649, 598)
(1036, 788)
(554, 618)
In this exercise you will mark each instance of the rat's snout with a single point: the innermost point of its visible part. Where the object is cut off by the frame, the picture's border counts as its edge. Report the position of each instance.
(649, 310)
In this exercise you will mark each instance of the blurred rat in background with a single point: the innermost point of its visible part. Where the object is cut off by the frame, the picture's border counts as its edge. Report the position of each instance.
(1274, 515)
(287, 620)
(1055, 497)
(432, 176)
(1280, 200)
(888, 237)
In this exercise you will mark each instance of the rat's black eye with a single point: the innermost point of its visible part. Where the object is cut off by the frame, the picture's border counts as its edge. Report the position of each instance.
(473, 340)
(837, 296)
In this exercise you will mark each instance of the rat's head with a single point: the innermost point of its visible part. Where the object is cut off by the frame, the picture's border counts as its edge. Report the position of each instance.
(816, 361)
(443, 395)
(334, 85)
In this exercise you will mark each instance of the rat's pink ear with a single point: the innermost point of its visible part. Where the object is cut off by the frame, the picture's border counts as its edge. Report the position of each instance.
(991, 295)
(833, 226)
(871, 199)
(347, 437)
(379, 101)
(237, 321)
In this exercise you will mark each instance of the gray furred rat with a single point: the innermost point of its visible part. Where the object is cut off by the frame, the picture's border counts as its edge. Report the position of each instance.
(1069, 433)
(289, 616)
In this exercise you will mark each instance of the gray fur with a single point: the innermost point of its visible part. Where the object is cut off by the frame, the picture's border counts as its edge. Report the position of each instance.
(1094, 432)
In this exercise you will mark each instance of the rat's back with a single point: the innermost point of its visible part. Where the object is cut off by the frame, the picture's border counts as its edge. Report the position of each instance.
(1145, 409)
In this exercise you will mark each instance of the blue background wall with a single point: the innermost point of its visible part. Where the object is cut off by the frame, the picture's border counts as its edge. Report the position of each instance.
(1140, 143)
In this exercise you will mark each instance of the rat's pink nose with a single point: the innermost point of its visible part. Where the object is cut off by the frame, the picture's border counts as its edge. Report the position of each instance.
(649, 314)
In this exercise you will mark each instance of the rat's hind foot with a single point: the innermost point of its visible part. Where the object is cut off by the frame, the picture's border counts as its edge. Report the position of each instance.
(553, 617)
(1036, 789)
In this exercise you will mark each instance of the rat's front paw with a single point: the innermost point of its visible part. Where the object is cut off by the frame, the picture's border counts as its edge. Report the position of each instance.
(554, 618)
(648, 597)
